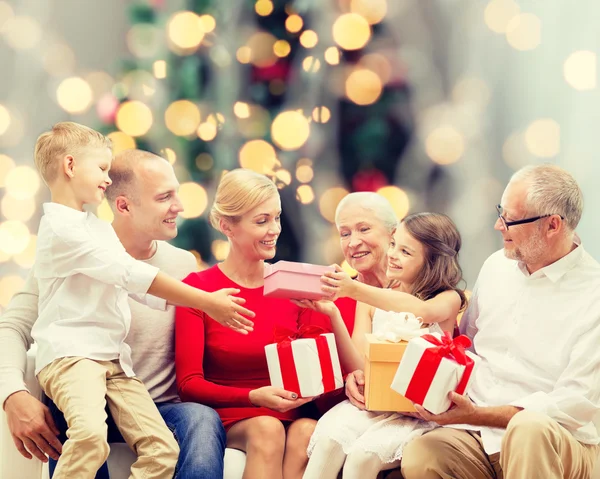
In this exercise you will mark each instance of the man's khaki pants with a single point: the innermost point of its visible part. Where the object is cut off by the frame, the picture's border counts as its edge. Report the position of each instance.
(80, 388)
(534, 447)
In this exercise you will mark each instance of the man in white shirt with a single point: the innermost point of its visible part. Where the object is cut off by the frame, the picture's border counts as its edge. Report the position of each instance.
(534, 319)
(144, 198)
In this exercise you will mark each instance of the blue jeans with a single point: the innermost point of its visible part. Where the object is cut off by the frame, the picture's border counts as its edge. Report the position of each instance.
(197, 428)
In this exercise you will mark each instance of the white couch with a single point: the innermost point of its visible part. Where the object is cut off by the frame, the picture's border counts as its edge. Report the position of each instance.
(15, 466)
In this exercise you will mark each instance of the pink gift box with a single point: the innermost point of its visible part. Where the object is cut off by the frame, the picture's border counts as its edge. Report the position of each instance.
(286, 279)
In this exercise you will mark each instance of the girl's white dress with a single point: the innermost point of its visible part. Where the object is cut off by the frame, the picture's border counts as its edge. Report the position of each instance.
(381, 433)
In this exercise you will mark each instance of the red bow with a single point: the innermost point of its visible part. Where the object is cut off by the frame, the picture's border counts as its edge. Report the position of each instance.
(449, 347)
(281, 335)
(284, 337)
(430, 361)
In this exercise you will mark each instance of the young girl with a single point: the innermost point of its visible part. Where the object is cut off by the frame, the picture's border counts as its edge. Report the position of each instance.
(424, 273)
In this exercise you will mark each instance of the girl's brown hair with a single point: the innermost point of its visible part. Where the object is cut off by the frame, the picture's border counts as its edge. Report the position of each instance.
(440, 238)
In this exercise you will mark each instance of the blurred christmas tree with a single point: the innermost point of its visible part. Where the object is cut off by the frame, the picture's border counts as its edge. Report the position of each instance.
(289, 89)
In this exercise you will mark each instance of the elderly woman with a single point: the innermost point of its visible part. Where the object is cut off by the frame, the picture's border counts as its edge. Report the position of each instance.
(365, 222)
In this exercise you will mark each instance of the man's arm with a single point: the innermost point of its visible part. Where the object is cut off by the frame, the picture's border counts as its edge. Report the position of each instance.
(30, 422)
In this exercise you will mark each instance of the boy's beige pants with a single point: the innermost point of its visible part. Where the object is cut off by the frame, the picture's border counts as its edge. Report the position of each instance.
(81, 388)
(534, 447)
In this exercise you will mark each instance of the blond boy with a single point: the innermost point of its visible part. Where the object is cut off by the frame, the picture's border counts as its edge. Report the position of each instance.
(84, 277)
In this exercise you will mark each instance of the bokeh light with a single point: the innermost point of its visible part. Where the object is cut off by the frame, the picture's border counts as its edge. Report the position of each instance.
(329, 202)
(373, 11)
(204, 162)
(294, 23)
(22, 33)
(263, 7)
(321, 114)
(282, 48)
(100, 82)
(17, 209)
(378, 64)
(104, 212)
(309, 39)
(169, 155)
(524, 31)
(121, 141)
(290, 130)
(220, 249)
(159, 68)
(262, 46)
(6, 164)
(241, 109)
(581, 70)
(208, 23)
(185, 30)
(26, 258)
(304, 173)
(305, 194)
(14, 237)
(259, 156)
(22, 182)
(332, 56)
(193, 198)
(311, 64)
(397, 198)
(207, 131)
(244, 54)
(542, 138)
(9, 286)
(445, 145)
(182, 117)
(351, 31)
(134, 118)
(498, 14)
(363, 86)
(74, 95)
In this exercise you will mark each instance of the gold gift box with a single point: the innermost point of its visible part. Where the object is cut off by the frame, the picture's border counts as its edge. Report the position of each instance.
(381, 362)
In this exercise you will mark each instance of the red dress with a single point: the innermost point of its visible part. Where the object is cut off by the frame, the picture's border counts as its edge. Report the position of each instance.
(219, 367)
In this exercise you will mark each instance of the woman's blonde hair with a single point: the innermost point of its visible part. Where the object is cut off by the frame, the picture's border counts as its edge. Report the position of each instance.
(238, 192)
(65, 138)
(441, 240)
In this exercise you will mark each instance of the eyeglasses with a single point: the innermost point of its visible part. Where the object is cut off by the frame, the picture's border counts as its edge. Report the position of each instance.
(506, 223)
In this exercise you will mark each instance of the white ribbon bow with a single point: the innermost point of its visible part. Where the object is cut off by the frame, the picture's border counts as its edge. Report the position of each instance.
(396, 327)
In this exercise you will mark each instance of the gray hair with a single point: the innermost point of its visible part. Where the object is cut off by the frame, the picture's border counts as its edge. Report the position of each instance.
(552, 191)
(380, 206)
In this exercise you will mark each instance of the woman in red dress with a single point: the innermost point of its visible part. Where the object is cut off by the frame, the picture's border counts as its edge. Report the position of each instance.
(227, 370)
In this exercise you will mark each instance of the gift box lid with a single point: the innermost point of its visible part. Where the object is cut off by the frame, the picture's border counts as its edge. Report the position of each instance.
(293, 267)
(384, 351)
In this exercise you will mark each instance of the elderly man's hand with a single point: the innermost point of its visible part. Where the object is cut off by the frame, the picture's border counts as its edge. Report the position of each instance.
(337, 283)
(355, 388)
(463, 411)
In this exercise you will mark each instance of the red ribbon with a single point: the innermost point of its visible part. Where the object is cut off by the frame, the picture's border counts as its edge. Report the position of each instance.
(284, 337)
(430, 361)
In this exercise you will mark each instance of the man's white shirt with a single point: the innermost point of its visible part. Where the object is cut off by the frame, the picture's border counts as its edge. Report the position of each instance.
(538, 336)
(84, 277)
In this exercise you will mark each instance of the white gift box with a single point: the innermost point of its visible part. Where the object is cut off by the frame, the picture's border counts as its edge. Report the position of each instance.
(434, 379)
(306, 367)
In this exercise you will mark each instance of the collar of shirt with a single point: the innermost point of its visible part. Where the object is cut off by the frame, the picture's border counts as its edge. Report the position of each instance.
(555, 271)
(65, 212)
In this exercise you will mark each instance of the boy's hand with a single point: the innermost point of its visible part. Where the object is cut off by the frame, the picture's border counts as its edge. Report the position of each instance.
(227, 310)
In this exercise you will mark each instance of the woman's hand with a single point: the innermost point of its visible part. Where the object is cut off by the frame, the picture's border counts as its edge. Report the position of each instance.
(276, 399)
(337, 283)
(322, 306)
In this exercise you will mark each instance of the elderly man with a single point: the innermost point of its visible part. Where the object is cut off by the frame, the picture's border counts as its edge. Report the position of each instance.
(143, 197)
(535, 323)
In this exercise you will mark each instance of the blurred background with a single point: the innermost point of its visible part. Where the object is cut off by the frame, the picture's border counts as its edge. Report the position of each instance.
(431, 103)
